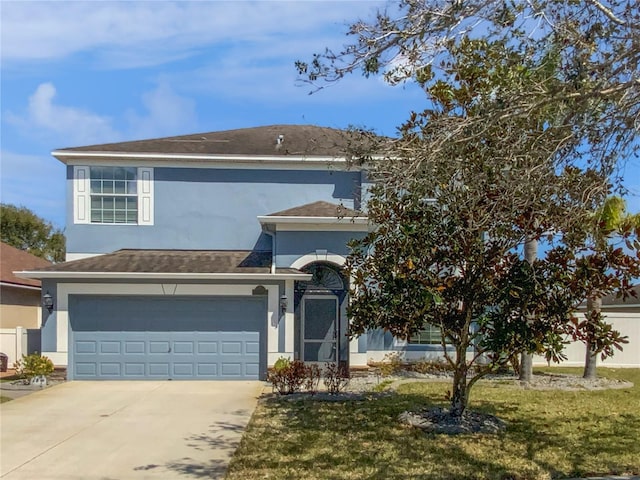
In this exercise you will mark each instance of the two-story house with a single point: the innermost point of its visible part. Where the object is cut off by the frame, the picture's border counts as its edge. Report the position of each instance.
(207, 256)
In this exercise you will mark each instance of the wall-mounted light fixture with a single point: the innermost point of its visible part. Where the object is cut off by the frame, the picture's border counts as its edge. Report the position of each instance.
(284, 302)
(47, 301)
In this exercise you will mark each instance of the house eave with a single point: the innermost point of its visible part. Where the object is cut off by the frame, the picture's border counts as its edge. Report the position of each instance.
(162, 276)
(583, 307)
(66, 157)
(271, 219)
(187, 160)
(20, 285)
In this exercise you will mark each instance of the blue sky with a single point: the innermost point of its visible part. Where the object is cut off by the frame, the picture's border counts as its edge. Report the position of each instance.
(81, 73)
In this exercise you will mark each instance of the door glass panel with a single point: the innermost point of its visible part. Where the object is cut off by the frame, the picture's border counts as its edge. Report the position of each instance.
(320, 319)
(319, 352)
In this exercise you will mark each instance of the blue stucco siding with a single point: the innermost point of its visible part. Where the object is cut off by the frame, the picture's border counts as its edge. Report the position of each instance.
(205, 208)
(379, 340)
(292, 245)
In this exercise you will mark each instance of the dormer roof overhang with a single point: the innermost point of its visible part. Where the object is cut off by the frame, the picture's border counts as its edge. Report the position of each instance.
(317, 216)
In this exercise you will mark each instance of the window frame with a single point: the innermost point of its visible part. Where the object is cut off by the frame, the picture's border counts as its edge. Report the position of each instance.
(102, 193)
(82, 195)
(434, 331)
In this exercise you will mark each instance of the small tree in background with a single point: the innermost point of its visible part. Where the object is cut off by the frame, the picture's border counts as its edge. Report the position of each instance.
(611, 222)
(23, 229)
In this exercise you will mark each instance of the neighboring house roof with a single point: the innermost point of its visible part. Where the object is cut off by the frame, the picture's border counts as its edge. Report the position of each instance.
(613, 300)
(13, 259)
(169, 264)
(318, 209)
(298, 140)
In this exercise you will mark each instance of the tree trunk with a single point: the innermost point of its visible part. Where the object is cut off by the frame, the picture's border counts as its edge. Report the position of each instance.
(460, 396)
(594, 304)
(526, 367)
(526, 359)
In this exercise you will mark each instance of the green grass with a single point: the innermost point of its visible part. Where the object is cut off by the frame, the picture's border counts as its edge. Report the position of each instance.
(550, 434)
(5, 399)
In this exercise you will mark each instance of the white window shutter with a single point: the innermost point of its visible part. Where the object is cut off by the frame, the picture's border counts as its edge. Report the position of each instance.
(145, 196)
(81, 195)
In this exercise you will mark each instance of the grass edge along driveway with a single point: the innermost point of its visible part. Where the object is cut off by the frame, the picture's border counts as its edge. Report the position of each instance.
(551, 434)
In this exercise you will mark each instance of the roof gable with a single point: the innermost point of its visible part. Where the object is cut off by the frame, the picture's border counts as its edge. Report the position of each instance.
(13, 259)
(318, 209)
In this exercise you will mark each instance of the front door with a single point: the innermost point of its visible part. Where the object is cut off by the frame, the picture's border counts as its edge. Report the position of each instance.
(319, 328)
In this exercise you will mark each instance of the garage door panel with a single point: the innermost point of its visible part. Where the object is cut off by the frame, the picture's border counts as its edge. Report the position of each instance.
(134, 369)
(110, 369)
(110, 347)
(183, 369)
(207, 369)
(252, 369)
(182, 347)
(134, 347)
(252, 348)
(230, 369)
(83, 369)
(158, 369)
(207, 347)
(86, 346)
(162, 347)
(180, 338)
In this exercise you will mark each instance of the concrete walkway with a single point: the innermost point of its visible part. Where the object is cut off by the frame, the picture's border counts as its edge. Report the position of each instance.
(125, 430)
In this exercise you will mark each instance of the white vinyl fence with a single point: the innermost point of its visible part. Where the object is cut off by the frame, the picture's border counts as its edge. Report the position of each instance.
(13, 343)
(627, 323)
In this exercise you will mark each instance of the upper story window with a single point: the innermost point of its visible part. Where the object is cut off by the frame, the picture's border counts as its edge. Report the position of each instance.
(113, 195)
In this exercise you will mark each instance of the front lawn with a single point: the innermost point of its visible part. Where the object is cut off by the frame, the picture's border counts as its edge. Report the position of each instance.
(551, 434)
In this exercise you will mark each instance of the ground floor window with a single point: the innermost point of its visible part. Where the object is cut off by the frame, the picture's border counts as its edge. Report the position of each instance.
(430, 335)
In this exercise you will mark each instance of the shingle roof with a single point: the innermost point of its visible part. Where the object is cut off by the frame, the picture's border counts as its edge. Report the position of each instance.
(305, 140)
(318, 209)
(172, 261)
(13, 259)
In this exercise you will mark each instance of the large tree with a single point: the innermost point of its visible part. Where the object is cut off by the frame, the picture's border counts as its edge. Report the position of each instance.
(23, 229)
(596, 44)
(532, 109)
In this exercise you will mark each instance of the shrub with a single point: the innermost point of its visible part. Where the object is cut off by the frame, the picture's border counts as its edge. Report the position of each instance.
(312, 378)
(33, 365)
(292, 376)
(287, 376)
(433, 367)
(336, 377)
(390, 365)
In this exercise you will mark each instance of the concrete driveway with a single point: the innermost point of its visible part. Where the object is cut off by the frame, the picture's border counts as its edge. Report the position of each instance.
(125, 430)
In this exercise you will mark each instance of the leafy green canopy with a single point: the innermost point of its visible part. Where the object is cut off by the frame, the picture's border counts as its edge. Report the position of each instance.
(593, 80)
(23, 229)
(532, 111)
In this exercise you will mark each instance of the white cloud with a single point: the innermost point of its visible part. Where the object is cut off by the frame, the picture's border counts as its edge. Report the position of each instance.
(68, 124)
(166, 113)
(163, 112)
(128, 34)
